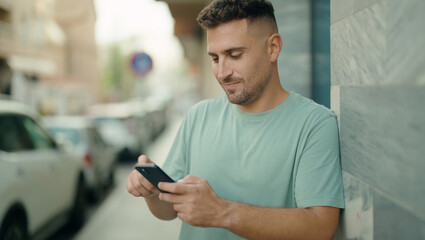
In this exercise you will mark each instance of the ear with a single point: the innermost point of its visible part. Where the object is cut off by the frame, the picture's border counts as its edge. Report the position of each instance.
(275, 46)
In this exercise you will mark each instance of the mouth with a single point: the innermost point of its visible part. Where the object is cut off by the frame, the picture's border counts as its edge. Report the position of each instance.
(231, 84)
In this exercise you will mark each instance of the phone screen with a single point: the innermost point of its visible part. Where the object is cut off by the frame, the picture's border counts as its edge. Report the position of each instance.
(153, 173)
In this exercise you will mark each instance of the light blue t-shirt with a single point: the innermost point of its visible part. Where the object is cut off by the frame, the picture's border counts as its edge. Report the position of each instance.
(287, 157)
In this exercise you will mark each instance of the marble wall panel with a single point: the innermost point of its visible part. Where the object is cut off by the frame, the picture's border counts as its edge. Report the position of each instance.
(357, 218)
(406, 41)
(358, 47)
(335, 101)
(382, 132)
(341, 9)
(391, 222)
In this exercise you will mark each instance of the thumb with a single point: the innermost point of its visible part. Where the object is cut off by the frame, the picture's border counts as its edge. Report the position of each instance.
(143, 159)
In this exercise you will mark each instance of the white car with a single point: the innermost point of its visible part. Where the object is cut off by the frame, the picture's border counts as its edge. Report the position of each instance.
(98, 158)
(120, 134)
(42, 186)
(124, 126)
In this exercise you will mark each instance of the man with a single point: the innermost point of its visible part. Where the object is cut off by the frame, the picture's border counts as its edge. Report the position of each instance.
(262, 163)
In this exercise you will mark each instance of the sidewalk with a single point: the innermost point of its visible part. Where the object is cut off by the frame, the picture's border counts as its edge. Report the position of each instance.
(123, 216)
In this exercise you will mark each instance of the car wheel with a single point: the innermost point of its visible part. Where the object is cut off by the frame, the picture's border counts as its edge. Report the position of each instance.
(14, 229)
(96, 194)
(125, 155)
(78, 214)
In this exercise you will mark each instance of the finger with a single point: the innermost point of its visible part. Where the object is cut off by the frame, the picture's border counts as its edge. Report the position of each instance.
(190, 179)
(184, 217)
(146, 184)
(171, 198)
(129, 186)
(144, 159)
(178, 207)
(141, 185)
(176, 188)
(143, 181)
(132, 189)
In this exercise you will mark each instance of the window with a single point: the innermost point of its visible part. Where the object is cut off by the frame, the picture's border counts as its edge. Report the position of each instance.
(39, 137)
(96, 137)
(12, 137)
(68, 134)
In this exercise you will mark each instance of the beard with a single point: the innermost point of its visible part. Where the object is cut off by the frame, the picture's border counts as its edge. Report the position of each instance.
(248, 91)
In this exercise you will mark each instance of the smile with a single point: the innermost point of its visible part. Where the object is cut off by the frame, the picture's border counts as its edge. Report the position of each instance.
(231, 84)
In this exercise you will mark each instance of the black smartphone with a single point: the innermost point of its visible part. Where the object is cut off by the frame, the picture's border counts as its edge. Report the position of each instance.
(153, 173)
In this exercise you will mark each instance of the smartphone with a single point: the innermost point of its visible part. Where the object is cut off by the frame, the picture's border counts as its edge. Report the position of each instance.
(153, 173)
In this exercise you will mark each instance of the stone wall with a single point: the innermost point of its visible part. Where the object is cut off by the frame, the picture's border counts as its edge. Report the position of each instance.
(295, 61)
(378, 93)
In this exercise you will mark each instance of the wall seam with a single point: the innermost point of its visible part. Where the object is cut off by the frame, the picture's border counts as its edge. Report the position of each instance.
(357, 11)
(388, 197)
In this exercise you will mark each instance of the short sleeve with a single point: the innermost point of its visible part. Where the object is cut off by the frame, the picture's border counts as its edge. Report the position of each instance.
(318, 180)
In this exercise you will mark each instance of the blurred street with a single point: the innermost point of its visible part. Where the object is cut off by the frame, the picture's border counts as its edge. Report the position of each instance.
(121, 216)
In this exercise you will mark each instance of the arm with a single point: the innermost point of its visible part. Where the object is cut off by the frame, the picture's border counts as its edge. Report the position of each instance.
(196, 203)
(283, 223)
(139, 186)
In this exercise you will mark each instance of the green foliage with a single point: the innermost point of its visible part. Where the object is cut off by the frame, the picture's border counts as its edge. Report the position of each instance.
(114, 69)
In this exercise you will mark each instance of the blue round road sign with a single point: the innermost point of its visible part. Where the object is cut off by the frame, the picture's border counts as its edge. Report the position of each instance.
(141, 63)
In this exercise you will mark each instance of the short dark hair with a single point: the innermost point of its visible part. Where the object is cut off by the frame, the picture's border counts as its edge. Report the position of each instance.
(222, 11)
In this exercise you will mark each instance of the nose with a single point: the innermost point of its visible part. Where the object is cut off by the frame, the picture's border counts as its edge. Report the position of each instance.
(223, 70)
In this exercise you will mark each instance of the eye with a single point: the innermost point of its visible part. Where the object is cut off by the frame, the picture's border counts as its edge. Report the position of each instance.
(235, 55)
(214, 58)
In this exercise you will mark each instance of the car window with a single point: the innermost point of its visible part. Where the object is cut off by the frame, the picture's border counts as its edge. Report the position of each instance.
(12, 136)
(96, 137)
(39, 137)
(70, 134)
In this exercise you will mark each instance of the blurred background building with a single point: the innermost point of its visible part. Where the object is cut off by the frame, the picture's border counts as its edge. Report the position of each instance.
(48, 53)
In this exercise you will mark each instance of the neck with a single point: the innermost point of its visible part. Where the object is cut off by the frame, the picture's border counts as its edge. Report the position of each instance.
(272, 97)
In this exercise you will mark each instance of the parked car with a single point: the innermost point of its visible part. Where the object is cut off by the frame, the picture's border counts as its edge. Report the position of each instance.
(128, 132)
(119, 133)
(156, 113)
(98, 158)
(42, 186)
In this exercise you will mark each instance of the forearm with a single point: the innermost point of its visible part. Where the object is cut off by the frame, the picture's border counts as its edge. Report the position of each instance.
(160, 209)
(280, 223)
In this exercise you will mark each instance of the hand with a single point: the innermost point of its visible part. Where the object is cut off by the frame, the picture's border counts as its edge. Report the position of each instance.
(139, 186)
(194, 201)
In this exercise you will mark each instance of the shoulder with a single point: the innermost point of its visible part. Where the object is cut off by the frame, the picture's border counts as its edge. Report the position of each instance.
(310, 111)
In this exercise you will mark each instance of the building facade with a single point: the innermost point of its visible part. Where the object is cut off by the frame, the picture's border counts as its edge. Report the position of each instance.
(378, 91)
(48, 54)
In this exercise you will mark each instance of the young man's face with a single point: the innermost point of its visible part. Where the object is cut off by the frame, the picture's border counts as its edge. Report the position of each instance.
(240, 60)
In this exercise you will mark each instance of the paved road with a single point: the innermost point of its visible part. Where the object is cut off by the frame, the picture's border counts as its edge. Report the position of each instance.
(122, 216)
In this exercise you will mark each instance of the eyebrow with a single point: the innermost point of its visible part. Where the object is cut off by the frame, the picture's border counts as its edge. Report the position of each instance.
(228, 50)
